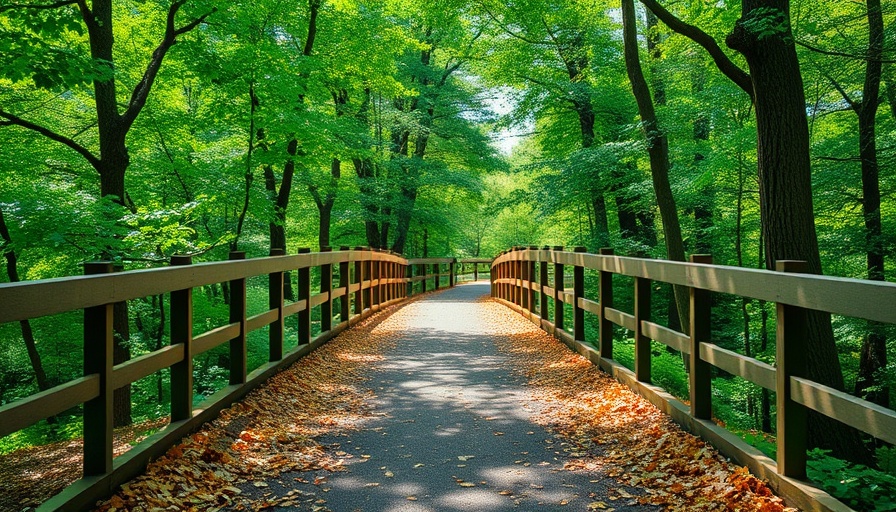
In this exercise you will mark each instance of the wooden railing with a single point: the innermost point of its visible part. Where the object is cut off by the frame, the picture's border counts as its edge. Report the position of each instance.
(367, 281)
(522, 275)
(470, 268)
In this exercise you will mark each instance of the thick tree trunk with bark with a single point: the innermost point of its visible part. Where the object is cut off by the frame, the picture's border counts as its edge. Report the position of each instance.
(113, 126)
(785, 186)
(658, 150)
(325, 203)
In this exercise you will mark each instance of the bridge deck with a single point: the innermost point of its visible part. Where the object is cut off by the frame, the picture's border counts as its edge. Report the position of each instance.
(438, 406)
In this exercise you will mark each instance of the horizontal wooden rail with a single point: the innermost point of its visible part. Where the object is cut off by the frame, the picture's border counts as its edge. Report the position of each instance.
(21, 413)
(215, 337)
(878, 421)
(147, 364)
(521, 274)
(368, 281)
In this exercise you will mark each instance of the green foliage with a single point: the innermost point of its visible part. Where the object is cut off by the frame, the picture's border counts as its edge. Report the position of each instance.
(765, 22)
(858, 486)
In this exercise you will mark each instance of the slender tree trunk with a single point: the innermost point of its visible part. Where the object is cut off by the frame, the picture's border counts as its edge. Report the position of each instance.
(874, 347)
(703, 221)
(249, 177)
(658, 150)
(601, 224)
(12, 270)
(785, 187)
(160, 337)
(653, 50)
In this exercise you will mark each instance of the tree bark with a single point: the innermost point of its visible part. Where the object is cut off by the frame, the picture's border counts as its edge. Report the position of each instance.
(874, 347)
(12, 270)
(658, 150)
(785, 186)
(325, 203)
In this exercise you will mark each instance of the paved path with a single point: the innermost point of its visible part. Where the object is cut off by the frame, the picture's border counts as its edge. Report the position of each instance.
(455, 430)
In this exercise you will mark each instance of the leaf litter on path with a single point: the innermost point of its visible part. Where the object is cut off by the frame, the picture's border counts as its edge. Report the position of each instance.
(604, 425)
(270, 432)
(598, 422)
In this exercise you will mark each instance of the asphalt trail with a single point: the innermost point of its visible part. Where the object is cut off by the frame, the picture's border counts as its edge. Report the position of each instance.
(454, 430)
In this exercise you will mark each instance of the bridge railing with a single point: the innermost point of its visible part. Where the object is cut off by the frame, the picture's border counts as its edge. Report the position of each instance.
(368, 280)
(469, 269)
(522, 277)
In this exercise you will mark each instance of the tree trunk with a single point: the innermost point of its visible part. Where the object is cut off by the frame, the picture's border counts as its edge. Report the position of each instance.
(601, 223)
(12, 270)
(404, 214)
(325, 203)
(653, 49)
(658, 150)
(785, 186)
(703, 222)
(874, 347)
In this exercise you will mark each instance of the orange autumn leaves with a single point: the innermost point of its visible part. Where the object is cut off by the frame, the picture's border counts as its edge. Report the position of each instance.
(603, 426)
(270, 432)
(597, 422)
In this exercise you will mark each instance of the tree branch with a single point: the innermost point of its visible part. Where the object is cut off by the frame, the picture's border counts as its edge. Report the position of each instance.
(13, 120)
(842, 54)
(549, 86)
(737, 75)
(141, 91)
(839, 159)
(853, 104)
(510, 32)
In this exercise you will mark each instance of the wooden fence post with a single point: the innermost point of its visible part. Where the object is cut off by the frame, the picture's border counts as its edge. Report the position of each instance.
(182, 333)
(98, 342)
(530, 265)
(451, 268)
(642, 342)
(578, 291)
(304, 281)
(359, 279)
(345, 302)
(525, 287)
(275, 301)
(791, 361)
(390, 286)
(238, 349)
(701, 331)
(326, 286)
(543, 282)
(605, 300)
(475, 271)
(368, 276)
(375, 288)
(559, 290)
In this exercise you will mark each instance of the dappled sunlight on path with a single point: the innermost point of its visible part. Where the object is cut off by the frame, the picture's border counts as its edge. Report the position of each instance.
(450, 403)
